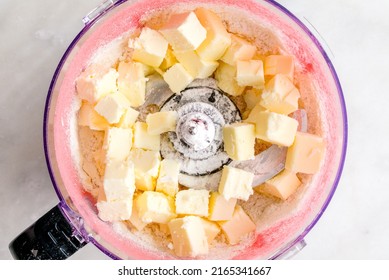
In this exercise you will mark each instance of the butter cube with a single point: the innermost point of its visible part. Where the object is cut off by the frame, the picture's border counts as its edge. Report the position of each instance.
(236, 183)
(239, 140)
(112, 107)
(217, 40)
(279, 64)
(147, 69)
(184, 32)
(132, 82)
(144, 140)
(128, 119)
(238, 226)
(250, 73)
(280, 95)
(113, 211)
(101, 194)
(254, 113)
(282, 186)
(96, 82)
(169, 60)
(155, 207)
(167, 181)
(135, 220)
(192, 202)
(220, 209)
(188, 236)
(240, 49)
(177, 78)
(150, 48)
(196, 67)
(245, 115)
(252, 97)
(275, 128)
(226, 79)
(119, 180)
(211, 229)
(160, 122)
(306, 153)
(164, 228)
(117, 143)
(147, 161)
(146, 168)
(87, 116)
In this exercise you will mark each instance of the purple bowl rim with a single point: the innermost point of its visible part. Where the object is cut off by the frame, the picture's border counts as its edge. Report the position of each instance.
(345, 127)
(292, 17)
(46, 117)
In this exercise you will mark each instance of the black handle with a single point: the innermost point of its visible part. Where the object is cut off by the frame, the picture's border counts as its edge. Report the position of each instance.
(49, 238)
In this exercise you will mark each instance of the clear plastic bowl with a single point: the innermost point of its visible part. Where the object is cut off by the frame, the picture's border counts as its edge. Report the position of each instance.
(113, 18)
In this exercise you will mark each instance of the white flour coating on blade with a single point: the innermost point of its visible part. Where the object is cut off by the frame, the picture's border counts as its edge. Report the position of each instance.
(265, 165)
(197, 143)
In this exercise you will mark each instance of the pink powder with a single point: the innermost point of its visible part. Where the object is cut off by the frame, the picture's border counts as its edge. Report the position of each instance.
(275, 234)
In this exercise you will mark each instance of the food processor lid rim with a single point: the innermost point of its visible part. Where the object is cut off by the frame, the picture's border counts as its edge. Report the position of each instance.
(89, 24)
(301, 237)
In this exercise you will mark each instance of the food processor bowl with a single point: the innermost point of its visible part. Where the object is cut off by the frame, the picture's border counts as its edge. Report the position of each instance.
(76, 210)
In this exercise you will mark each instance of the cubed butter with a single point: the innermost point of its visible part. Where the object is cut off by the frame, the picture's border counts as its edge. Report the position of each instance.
(225, 75)
(177, 78)
(239, 140)
(188, 236)
(95, 82)
(279, 64)
(196, 67)
(117, 143)
(101, 194)
(144, 140)
(154, 207)
(128, 119)
(192, 202)
(149, 48)
(160, 122)
(280, 95)
(220, 209)
(167, 181)
(275, 128)
(238, 226)
(252, 97)
(184, 32)
(87, 116)
(169, 60)
(282, 186)
(146, 168)
(113, 211)
(217, 40)
(253, 114)
(211, 230)
(132, 82)
(236, 183)
(250, 73)
(240, 49)
(164, 228)
(119, 180)
(147, 69)
(306, 153)
(112, 107)
(245, 114)
(135, 220)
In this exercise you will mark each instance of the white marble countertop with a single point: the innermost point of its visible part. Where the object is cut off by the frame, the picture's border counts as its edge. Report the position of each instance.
(35, 34)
